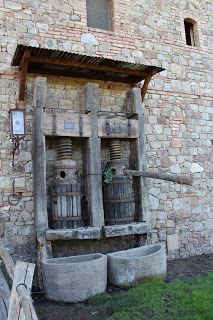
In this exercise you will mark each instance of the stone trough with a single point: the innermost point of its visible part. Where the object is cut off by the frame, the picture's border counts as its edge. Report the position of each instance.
(127, 267)
(74, 278)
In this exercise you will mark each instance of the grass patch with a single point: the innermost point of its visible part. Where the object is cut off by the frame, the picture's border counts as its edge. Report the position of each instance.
(157, 300)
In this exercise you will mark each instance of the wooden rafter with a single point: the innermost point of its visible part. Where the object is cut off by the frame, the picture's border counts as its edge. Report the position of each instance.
(69, 64)
(23, 67)
(88, 66)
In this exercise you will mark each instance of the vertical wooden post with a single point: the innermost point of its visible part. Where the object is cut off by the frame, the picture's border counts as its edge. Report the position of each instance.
(23, 75)
(137, 156)
(39, 171)
(92, 157)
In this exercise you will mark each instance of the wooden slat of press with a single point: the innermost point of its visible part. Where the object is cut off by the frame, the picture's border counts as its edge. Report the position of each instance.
(122, 205)
(74, 213)
(79, 204)
(71, 208)
(68, 202)
(23, 275)
(58, 207)
(54, 206)
(113, 195)
(63, 206)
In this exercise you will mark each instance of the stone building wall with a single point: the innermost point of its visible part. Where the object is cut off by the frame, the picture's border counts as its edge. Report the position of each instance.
(178, 113)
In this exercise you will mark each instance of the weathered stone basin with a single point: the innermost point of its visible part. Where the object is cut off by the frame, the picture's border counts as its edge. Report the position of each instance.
(74, 278)
(127, 267)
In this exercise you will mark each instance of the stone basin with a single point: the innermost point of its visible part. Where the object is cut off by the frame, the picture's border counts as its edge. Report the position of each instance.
(74, 278)
(128, 267)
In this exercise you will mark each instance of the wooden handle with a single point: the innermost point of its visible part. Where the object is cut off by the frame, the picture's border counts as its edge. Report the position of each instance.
(180, 179)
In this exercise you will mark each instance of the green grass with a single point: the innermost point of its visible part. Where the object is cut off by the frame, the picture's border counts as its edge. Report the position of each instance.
(158, 300)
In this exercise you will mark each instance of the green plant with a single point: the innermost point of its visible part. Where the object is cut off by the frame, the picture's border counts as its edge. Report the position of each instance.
(107, 175)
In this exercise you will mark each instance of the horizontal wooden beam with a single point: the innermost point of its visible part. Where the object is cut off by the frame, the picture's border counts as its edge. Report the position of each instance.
(181, 179)
(40, 70)
(126, 229)
(88, 66)
(82, 233)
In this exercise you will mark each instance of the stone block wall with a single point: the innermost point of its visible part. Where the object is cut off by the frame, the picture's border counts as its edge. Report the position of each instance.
(178, 113)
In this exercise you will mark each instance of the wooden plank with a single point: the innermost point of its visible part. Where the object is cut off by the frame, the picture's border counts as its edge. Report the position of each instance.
(92, 157)
(8, 261)
(23, 276)
(27, 308)
(118, 128)
(4, 296)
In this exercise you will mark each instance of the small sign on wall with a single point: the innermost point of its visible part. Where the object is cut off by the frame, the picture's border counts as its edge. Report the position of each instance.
(17, 120)
(69, 125)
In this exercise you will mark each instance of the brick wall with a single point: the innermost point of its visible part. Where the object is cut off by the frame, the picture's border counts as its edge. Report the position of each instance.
(178, 115)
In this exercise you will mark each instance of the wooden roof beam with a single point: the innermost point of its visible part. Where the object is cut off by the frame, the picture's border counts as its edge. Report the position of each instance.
(89, 66)
(88, 76)
(23, 67)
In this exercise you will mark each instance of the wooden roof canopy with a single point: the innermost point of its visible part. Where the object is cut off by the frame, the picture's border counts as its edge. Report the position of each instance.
(69, 64)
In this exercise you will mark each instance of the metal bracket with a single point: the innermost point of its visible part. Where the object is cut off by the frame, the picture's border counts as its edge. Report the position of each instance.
(16, 144)
(107, 127)
(14, 197)
(81, 125)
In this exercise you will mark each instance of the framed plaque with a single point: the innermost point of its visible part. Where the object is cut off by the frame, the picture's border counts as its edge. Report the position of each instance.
(17, 120)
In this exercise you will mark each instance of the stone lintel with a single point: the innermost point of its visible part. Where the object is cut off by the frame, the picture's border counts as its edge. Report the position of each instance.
(71, 234)
(126, 229)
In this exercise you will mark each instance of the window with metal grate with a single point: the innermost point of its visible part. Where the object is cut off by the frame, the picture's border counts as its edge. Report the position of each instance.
(99, 14)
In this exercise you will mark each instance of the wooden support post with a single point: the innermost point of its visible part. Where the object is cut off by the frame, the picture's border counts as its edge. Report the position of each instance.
(137, 157)
(39, 171)
(92, 157)
(23, 67)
